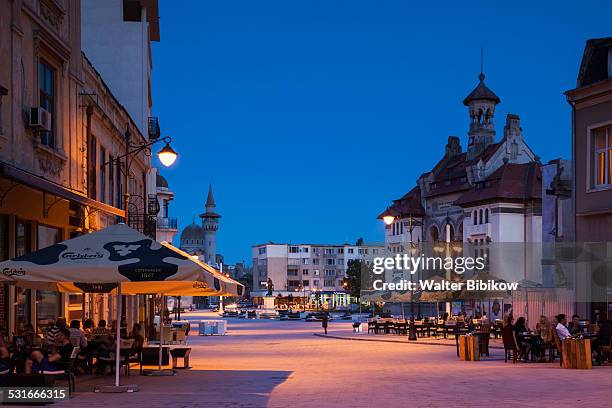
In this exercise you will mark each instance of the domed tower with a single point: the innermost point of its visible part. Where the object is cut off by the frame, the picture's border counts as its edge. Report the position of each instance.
(192, 239)
(210, 225)
(481, 103)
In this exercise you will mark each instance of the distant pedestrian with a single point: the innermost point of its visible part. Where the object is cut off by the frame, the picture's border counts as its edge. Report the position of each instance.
(325, 321)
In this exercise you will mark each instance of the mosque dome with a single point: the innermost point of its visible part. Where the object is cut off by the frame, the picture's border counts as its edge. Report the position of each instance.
(192, 234)
(160, 181)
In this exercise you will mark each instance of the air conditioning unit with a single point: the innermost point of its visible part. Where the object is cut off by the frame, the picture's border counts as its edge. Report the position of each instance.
(40, 119)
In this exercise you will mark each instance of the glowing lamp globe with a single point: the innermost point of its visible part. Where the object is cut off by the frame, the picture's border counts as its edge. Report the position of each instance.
(167, 155)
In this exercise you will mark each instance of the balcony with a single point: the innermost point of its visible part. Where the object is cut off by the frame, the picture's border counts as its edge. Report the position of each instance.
(154, 130)
(167, 223)
(479, 230)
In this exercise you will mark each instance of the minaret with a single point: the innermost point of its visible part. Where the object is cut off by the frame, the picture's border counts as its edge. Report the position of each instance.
(210, 225)
(481, 103)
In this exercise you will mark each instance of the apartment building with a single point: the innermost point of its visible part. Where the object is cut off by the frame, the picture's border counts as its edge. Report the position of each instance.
(305, 270)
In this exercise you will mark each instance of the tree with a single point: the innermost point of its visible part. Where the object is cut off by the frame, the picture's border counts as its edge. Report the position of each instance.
(359, 242)
(247, 280)
(352, 281)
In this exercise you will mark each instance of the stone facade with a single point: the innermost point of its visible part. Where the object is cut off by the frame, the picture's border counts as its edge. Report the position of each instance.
(56, 181)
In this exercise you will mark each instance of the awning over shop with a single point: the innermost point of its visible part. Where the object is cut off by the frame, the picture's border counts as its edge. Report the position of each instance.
(47, 186)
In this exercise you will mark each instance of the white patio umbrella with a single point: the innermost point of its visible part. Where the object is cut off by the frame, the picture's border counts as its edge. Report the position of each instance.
(120, 260)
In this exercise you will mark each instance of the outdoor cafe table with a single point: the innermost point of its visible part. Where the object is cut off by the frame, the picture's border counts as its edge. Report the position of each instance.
(577, 353)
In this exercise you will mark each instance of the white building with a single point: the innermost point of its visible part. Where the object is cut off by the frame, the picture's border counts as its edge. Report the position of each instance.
(116, 36)
(489, 194)
(306, 269)
(166, 226)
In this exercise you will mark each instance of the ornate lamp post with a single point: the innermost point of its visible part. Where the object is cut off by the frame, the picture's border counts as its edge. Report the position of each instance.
(167, 156)
(388, 220)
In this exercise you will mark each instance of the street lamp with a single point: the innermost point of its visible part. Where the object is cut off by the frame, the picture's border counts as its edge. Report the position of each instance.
(167, 156)
(388, 220)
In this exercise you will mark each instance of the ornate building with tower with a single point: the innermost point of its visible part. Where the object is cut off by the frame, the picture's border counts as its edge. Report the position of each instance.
(201, 239)
(489, 193)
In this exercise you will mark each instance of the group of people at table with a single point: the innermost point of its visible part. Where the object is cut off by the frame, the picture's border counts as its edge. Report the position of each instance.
(536, 342)
(29, 353)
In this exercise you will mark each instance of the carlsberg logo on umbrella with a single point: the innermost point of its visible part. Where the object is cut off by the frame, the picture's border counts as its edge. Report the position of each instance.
(13, 272)
(85, 254)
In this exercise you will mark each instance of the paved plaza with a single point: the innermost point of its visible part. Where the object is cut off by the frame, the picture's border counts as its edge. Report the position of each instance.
(282, 364)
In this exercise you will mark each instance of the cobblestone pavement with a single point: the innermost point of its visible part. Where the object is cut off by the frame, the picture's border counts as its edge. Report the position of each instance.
(281, 364)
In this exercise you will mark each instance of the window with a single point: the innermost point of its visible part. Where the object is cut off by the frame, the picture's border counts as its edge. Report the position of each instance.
(165, 205)
(486, 216)
(330, 272)
(46, 85)
(475, 217)
(331, 261)
(481, 215)
(305, 283)
(294, 250)
(329, 282)
(602, 157)
(315, 261)
(340, 250)
(304, 271)
(329, 251)
(102, 174)
(262, 250)
(304, 261)
(350, 250)
(305, 250)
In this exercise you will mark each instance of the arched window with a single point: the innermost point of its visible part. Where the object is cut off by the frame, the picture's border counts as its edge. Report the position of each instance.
(460, 232)
(475, 217)
(487, 216)
(481, 216)
(433, 233)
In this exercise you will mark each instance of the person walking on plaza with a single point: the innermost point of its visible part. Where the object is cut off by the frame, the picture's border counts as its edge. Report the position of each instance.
(325, 321)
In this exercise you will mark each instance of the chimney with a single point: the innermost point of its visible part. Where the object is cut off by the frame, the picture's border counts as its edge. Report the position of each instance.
(453, 146)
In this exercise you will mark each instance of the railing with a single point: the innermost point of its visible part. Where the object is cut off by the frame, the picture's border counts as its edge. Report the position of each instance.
(479, 229)
(154, 130)
(167, 223)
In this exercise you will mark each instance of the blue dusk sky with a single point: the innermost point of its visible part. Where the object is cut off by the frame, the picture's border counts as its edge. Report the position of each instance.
(309, 117)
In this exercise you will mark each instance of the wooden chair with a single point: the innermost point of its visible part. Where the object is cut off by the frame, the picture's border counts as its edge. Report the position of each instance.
(483, 338)
(558, 346)
(371, 326)
(511, 349)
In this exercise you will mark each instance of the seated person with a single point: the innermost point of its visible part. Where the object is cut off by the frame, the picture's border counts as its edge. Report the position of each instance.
(575, 327)
(60, 323)
(562, 331)
(603, 339)
(88, 327)
(101, 330)
(77, 336)
(137, 337)
(520, 328)
(5, 358)
(54, 360)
